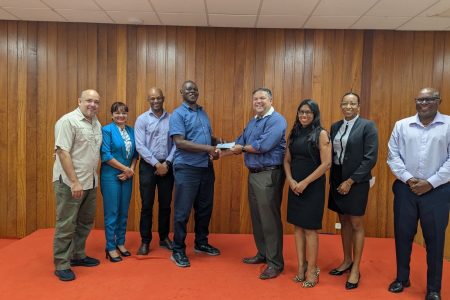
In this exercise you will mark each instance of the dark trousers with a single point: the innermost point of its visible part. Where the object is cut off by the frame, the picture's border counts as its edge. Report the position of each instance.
(265, 191)
(431, 209)
(194, 187)
(148, 181)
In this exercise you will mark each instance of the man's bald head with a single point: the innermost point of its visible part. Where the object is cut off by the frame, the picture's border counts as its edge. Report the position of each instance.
(427, 104)
(429, 92)
(155, 91)
(89, 93)
(88, 103)
(156, 99)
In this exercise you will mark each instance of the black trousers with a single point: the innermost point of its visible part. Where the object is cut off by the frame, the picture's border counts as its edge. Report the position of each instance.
(432, 210)
(194, 188)
(148, 181)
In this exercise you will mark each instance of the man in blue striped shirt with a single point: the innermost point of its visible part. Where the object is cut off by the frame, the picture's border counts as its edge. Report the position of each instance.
(419, 156)
(263, 142)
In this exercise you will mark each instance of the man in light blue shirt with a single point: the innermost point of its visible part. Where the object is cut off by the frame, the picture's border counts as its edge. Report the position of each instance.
(156, 149)
(419, 156)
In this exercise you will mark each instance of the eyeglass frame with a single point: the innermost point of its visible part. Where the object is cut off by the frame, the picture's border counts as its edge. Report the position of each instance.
(426, 100)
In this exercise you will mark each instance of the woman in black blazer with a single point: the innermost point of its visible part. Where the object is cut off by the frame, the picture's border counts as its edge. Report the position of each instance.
(355, 149)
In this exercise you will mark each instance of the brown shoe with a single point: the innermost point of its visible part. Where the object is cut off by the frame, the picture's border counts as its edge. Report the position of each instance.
(254, 260)
(143, 249)
(269, 273)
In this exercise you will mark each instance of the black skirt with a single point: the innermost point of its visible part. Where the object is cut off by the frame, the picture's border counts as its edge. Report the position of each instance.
(354, 203)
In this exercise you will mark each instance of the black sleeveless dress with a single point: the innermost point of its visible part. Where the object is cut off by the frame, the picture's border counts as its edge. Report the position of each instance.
(306, 210)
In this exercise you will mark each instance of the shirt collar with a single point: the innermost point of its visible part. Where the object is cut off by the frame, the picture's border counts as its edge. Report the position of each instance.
(150, 112)
(188, 107)
(82, 117)
(268, 113)
(352, 121)
(437, 119)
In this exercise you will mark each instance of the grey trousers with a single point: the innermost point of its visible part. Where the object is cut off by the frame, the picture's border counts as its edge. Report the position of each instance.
(74, 221)
(265, 191)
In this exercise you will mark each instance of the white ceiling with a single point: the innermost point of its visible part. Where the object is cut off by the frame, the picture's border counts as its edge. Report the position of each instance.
(335, 14)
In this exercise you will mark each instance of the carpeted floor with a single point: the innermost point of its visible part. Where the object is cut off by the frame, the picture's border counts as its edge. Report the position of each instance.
(26, 272)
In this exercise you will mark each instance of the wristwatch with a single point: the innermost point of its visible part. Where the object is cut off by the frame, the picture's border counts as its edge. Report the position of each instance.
(168, 162)
(243, 149)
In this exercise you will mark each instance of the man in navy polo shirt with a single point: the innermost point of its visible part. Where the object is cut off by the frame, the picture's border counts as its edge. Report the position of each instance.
(194, 174)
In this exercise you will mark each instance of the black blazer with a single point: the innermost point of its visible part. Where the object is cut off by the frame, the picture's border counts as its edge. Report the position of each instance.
(361, 151)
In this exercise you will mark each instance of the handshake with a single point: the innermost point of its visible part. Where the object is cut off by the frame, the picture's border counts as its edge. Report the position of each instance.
(225, 149)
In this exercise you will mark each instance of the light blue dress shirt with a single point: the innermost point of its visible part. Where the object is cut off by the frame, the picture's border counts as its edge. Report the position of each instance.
(153, 142)
(421, 151)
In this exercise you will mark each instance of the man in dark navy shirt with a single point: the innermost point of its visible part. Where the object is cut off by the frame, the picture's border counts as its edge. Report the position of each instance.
(263, 142)
(194, 174)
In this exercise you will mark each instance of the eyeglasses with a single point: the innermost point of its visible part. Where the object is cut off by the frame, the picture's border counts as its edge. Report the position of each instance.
(427, 100)
(305, 112)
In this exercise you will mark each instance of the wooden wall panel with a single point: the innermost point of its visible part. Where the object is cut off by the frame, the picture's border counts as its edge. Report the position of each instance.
(4, 123)
(44, 66)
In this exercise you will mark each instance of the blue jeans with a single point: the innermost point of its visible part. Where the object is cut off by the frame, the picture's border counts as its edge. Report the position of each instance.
(194, 187)
(116, 201)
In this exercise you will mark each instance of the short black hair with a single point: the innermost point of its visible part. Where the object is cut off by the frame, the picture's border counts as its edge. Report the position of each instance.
(119, 106)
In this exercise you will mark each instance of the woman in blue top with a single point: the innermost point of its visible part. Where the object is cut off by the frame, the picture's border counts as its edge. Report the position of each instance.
(119, 157)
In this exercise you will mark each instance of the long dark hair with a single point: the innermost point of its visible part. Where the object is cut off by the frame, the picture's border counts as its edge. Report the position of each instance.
(316, 127)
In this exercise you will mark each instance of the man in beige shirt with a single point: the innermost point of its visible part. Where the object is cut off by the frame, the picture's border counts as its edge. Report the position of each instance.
(78, 138)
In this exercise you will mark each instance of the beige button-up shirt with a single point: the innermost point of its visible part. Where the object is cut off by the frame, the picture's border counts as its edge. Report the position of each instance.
(82, 139)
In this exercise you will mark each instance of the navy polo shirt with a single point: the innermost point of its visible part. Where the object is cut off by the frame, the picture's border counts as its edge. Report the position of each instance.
(194, 125)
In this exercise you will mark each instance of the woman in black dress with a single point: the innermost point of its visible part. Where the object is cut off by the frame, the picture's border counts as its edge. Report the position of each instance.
(308, 157)
(355, 147)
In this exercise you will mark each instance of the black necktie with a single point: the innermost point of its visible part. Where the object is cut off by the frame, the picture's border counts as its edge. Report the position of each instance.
(342, 147)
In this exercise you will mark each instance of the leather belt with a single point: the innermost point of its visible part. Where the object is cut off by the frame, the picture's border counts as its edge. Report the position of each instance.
(268, 168)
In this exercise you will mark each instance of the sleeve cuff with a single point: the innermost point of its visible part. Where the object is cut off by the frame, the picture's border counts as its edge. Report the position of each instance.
(435, 181)
(153, 161)
(406, 176)
(106, 158)
(256, 146)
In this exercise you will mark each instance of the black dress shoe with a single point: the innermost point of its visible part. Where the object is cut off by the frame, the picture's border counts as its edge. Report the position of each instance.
(207, 249)
(65, 275)
(166, 243)
(397, 286)
(269, 273)
(112, 259)
(125, 253)
(85, 262)
(350, 285)
(254, 260)
(180, 259)
(336, 272)
(433, 296)
(143, 249)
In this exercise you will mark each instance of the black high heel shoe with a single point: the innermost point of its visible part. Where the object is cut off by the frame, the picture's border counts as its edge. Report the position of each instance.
(112, 259)
(126, 253)
(351, 286)
(336, 272)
